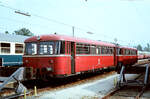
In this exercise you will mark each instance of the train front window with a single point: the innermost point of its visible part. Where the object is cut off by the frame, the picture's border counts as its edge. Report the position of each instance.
(46, 48)
(31, 48)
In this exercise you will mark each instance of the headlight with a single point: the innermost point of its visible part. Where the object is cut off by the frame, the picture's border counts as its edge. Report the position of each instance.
(49, 69)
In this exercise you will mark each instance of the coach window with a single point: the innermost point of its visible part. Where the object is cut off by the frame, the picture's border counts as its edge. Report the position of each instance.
(106, 50)
(134, 52)
(86, 49)
(98, 50)
(121, 52)
(130, 52)
(103, 50)
(110, 50)
(118, 51)
(124, 51)
(18, 48)
(82, 48)
(127, 52)
(5, 47)
(62, 47)
(93, 49)
(68, 46)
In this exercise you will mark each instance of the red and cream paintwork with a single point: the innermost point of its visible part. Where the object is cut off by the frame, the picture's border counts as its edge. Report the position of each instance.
(61, 64)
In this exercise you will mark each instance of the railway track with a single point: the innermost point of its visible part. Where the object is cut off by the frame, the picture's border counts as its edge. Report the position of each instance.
(57, 84)
(126, 92)
(139, 88)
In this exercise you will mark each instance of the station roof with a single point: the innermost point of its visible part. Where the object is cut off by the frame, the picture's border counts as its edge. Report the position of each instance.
(53, 37)
(12, 38)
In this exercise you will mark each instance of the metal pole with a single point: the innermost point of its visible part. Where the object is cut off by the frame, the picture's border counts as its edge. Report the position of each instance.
(146, 75)
(73, 31)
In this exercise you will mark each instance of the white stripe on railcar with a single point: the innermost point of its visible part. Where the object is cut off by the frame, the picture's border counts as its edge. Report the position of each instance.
(46, 55)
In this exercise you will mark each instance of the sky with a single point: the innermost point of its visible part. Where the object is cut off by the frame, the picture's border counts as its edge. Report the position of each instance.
(126, 20)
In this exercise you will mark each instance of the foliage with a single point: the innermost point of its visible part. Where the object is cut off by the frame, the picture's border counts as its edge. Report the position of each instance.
(6, 32)
(23, 31)
(139, 47)
(147, 48)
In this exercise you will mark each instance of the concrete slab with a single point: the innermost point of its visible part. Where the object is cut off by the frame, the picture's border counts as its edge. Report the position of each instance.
(95, 89)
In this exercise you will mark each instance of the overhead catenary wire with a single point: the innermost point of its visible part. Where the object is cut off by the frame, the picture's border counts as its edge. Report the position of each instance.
(48, 19)
(55, 21)
(45, 18)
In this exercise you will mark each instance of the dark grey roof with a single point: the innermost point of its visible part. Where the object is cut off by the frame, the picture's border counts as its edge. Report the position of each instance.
(12, 38)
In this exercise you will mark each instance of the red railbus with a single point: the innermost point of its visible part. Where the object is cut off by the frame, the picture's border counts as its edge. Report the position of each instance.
(127, 56)
(61, 56)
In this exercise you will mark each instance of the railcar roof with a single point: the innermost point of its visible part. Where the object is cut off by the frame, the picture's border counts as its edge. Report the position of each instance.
(53, 37)
(129, 48)
(12, 38)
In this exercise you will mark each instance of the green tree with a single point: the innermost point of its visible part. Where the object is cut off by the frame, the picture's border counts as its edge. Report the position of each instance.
(23, 31)
(6, 32)
(147, 48)
(139, 47)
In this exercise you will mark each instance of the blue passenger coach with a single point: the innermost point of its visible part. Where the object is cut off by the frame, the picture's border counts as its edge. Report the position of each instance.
(11, 49)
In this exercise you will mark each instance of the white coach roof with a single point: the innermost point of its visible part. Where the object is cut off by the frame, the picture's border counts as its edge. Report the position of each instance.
(12, 38)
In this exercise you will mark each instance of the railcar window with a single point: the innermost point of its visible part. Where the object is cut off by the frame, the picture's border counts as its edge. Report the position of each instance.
(121, 52)
(93, 49)
(5, 47)
(118, 51)
(103, 50)
(82, 48)
(18, 48)
(46, 48)
(68, 47)
(62, 47)
(110, 50)
(99, 50)
(133, 52)
(106, 50)
(30, 48)
(127, 52)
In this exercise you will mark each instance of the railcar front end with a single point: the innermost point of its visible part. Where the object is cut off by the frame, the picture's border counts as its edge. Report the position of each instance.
(48, 59)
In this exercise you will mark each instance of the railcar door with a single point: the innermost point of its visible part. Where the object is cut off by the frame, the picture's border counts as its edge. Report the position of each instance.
(72, 57)
(116, 55)
(0, 61)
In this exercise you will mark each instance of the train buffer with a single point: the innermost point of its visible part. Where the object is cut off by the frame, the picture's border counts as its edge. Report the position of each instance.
(143, 83)
(16, 77)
